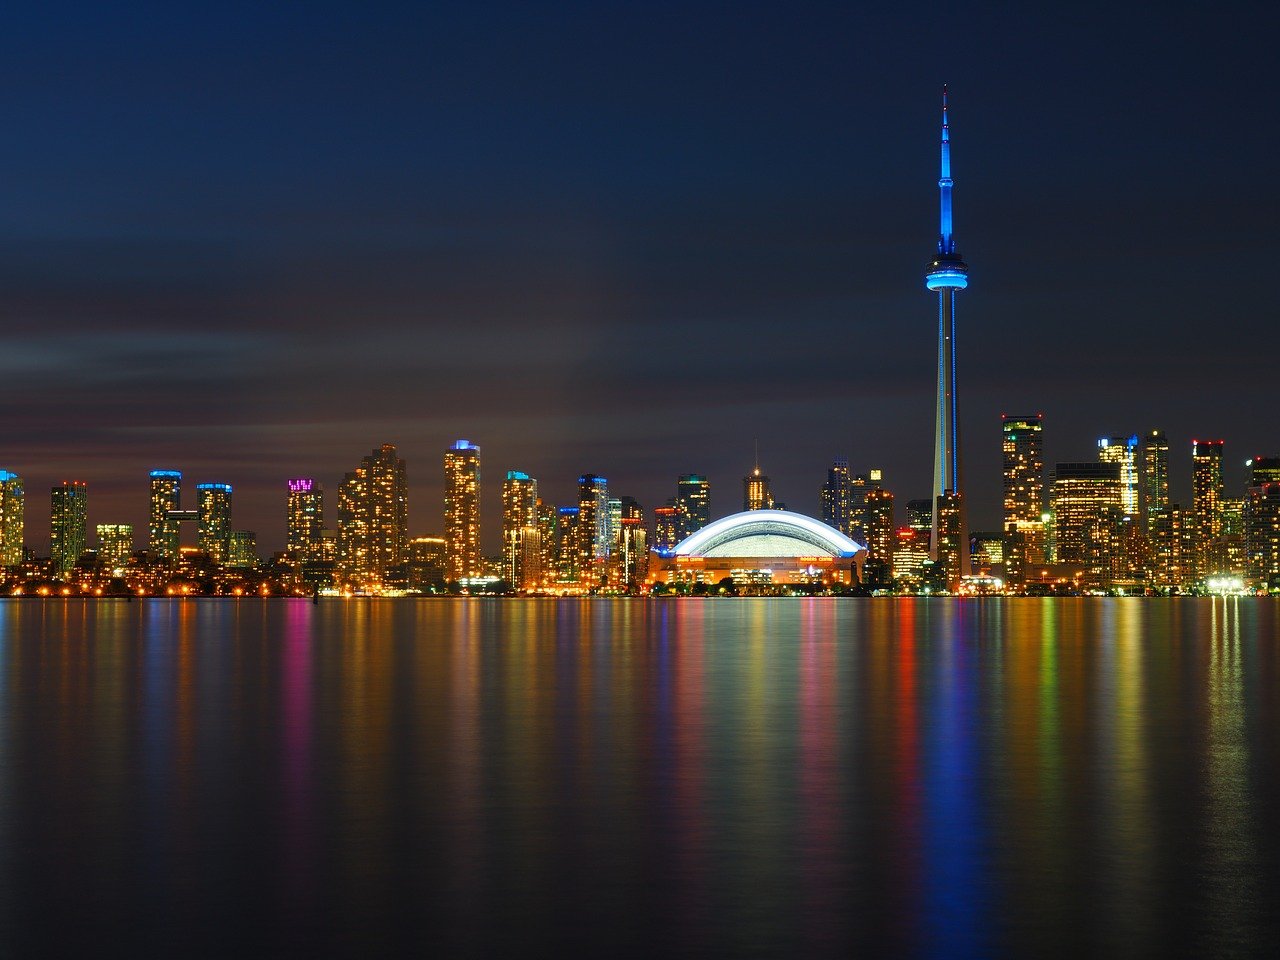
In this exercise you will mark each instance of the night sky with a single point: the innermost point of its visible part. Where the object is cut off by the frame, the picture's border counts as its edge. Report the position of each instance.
(252, 242)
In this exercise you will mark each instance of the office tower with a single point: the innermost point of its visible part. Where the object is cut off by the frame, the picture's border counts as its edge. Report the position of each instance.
(1262, 531)
(693, 504)
(12, 510)
(242, 549)
(879, 524)
(568, 549)
(305, 518)
(756, 492)
(1022, 444)
(115, 544)
(1263, 470)
(947, 274)
(631, 562)
(920, 515)
(373, 518)
(1206, 505)
(835, 495)
(427, 561)
(462, 510)
(163, 538)
(548, 522)
(68, 524)
(519, 523)
(952, 552)
(1231, 549)
(1086, 513)
(213, 505)
(666, 527)
(1123, 451)
(986, 552)
(910, 552)
(593, 529)
(615, 523)
(1153, 476)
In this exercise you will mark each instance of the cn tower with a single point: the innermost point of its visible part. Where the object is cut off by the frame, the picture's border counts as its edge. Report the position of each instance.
(947, 274)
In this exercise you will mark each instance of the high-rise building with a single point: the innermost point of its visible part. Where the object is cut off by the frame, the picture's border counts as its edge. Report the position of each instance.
(213, 503)
(1086, 511)
(12, 511)
(837, 507)
(427, 563)
(548, 524)
(68, 524)
(986, 551)
(1263, 470)
(373, 519)
(666, 527)
(115, 544)
(920, 515)
(756, 492)
(881, 536)
(163, 538)
(693, 503)
(1157, 523)
(631, 559)
(952, 552)
(1262, 533)
(305, 519)
(520, 524)
(242, 549)
(947, 274)
(568, 548)
(1123, 451)
(1206, 504)
(593, 529)
(911, 552)
(462, 510)
(1023, 449)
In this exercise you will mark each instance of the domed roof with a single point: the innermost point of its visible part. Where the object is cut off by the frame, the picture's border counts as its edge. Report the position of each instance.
(767, 533)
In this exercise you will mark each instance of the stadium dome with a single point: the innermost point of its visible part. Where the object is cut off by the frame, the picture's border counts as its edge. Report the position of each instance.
(767, 533)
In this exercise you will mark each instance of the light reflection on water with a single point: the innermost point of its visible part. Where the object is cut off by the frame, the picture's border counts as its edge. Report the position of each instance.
(784, 777)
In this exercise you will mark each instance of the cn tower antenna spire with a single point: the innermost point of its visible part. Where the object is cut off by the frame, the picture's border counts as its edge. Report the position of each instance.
(946, 242)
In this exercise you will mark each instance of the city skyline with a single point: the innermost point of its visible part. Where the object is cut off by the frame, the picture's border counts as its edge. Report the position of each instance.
(595, 307)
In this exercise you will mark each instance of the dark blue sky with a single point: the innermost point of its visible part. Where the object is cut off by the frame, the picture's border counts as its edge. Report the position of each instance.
(253, 241)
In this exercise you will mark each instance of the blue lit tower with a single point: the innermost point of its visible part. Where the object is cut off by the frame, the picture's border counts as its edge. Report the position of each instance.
(947, 274)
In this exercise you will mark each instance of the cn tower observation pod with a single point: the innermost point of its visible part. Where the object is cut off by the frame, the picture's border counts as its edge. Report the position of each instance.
(761, 547)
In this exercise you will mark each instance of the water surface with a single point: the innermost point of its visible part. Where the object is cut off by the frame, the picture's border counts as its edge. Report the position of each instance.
(737, 777)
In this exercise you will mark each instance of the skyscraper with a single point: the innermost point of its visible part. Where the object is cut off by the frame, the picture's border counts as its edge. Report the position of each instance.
(68, 524)
(593, 529)
(630, 563)
(1023, 448)
(12, 510)
(115, 544)
(947, 274)
(213, 503)
(1262, 532)
(1123, 451)
(1153, 477)
(836, 505)
(305, 518)
(520, 531)
(881, 536)
(756, 492)
(462, 510)
(373, 519)
(1086, 515)
(693, 504)
(163, 538)
(1206, 504)
(666, 527)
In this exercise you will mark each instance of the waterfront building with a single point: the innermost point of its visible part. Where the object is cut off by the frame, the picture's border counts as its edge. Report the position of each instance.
(593, 529)
(568, 550)
(426, 562)
(68, 524)
(986, 553)
(910, 554)
(1206, 505)
(1262, 535)
(761, 550)
(1086, 513)
(12, 513)
(373, 519)
(881, 536)
(305, 519)
(692, 503)
(520, 523)
(462, 510)
(1263, 470)
(1123, 451)
(666, 527)
(548, 524)
(631, 559)
(242, 549)
(115, 544)
(860, 487)
(836, 496)
(1230, 552)
(1022, 445)
(163, 531)
(213, 506)
(1153, 480)
(947, 274)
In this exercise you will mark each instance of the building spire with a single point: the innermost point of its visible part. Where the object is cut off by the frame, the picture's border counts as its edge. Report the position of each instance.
(946, 242)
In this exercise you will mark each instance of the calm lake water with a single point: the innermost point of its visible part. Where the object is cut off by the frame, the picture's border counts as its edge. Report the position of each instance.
(736, 777)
